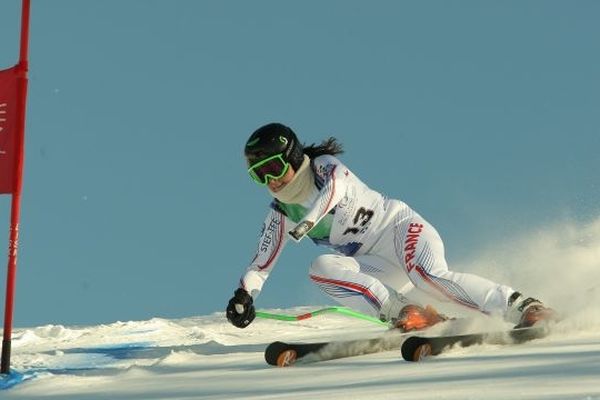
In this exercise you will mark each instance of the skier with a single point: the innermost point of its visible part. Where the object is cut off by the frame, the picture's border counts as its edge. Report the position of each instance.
(383, 245)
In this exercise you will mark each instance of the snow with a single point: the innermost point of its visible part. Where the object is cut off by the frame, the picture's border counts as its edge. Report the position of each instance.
(206, 358)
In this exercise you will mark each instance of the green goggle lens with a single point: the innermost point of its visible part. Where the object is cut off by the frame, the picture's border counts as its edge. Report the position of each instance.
(273, 167)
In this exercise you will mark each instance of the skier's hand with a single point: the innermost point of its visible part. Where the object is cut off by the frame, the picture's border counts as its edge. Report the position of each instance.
(240, 310)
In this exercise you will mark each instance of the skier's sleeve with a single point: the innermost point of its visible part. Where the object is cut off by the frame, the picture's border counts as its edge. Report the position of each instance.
(271, 242)
(331, 176)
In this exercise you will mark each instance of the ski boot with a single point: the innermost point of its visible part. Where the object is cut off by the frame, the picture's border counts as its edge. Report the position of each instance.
(527, 312)
(415, 318)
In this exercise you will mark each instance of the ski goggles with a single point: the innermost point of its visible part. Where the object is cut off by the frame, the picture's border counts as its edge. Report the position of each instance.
(273, 167)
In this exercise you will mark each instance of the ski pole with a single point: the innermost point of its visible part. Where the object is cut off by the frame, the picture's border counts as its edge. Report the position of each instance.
(338, 310)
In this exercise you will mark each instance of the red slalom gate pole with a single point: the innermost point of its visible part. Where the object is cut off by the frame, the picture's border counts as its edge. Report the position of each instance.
(13, 245)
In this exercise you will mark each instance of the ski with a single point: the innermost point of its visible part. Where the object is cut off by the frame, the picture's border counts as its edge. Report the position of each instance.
(418, 348)
(283, 354)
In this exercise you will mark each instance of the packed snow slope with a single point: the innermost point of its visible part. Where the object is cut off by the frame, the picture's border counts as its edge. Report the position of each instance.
(206, 358)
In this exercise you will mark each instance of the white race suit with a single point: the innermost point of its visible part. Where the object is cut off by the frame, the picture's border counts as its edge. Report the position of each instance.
(381, 245)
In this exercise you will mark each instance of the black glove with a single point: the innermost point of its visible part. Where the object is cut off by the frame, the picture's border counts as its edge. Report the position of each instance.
(240, 310)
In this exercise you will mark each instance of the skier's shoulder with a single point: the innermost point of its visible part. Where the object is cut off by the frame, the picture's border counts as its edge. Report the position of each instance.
(325, 164)
(324, 159)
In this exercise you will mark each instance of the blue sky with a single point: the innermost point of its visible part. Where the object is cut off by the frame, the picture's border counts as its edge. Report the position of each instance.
(482, 115)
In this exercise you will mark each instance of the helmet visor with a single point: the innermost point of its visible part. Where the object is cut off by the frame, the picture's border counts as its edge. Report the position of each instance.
(273, 167)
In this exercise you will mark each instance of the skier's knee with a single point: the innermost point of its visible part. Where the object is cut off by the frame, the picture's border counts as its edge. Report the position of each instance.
(321, 264)
(419, 282)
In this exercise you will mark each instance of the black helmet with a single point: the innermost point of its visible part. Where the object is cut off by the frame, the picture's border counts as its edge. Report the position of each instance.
(273, 139)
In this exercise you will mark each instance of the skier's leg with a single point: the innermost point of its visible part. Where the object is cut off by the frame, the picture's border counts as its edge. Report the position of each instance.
(420, 250)
(350, 281)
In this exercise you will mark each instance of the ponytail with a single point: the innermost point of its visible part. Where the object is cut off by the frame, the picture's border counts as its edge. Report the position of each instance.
(329, 146)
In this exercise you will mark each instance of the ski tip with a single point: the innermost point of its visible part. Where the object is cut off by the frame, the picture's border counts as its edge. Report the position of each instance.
(287, 358)
(280, 354)
(416, 348)
(272, 352)
(421, 352)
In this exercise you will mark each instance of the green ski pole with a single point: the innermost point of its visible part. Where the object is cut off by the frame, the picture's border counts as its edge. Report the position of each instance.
(338, 310)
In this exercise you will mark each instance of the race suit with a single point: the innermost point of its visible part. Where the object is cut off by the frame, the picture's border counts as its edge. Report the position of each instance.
(381, 245)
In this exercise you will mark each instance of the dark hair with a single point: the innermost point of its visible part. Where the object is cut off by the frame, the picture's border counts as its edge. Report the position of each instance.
(329, 146)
